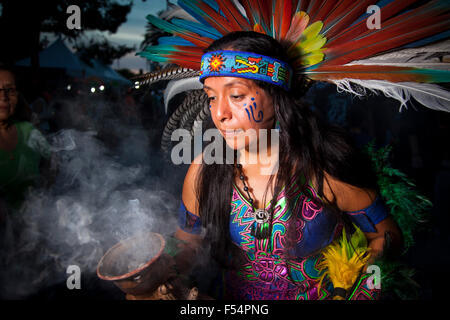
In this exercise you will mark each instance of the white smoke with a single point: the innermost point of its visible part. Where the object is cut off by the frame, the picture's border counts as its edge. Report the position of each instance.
(109, 186)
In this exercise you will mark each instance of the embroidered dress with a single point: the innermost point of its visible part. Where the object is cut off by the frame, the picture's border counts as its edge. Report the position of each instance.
(285, 265)
(265, 269)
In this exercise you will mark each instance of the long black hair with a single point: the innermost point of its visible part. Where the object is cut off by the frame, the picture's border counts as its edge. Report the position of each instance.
(308, 148)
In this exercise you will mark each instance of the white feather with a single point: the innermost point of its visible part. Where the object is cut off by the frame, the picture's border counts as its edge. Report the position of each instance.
(177, 86)
(429, 95)
(429, 57)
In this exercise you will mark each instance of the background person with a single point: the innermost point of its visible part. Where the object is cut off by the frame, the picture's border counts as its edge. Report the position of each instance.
(22, 146)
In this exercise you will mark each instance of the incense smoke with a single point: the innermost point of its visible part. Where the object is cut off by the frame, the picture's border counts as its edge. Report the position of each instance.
(110, 185)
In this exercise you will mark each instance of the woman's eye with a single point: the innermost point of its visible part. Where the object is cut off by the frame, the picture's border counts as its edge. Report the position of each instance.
(237, 97)
(210, 99)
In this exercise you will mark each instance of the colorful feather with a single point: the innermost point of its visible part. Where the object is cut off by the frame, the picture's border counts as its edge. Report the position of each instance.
(343, 260)
(429, 95)
(237, 21)
(204, 12)
(200, 29)
(190, 36)
(328, 40)
(282, 13)
(382, 42)
(298, 24)
(354, 30)
(259, 14)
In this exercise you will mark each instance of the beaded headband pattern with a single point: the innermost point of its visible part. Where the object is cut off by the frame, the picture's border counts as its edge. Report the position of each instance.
(225, 63)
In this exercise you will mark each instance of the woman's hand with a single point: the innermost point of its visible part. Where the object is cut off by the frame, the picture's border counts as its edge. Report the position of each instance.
(166, 291)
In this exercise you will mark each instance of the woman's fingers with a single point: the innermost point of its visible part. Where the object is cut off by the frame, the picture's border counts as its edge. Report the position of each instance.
(165, 291)
(193, 294)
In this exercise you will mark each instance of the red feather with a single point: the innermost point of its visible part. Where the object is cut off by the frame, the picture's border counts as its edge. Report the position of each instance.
(257, 12)
(282, 17)
(247, 7)
(323, 11)
(265, 7)
(233, 15)
(354, 31)
(314, 7)
(192, 63)
(347, 12)
(364, 72)
(194, 38)
(391, 38)
(304, 5)
(215, 19)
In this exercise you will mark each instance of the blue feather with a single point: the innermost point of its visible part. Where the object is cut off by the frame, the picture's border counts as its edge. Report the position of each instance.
(202, 30)
(177, 41)
(190, 7)
(163, 24)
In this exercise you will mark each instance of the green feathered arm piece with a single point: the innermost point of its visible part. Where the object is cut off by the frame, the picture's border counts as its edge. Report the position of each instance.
(406, 205)
(408, 208)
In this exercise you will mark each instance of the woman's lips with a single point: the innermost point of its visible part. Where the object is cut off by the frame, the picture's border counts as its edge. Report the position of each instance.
(231, 132)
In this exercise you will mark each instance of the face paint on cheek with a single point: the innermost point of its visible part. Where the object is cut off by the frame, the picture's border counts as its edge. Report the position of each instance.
(252, 109)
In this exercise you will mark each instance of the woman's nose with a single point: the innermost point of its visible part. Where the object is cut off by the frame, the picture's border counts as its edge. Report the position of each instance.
(222, 110)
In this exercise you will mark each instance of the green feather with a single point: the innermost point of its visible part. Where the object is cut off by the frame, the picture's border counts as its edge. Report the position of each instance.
(407, 206)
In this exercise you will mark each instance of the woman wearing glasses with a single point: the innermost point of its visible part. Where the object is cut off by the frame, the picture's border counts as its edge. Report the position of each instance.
(21, 146)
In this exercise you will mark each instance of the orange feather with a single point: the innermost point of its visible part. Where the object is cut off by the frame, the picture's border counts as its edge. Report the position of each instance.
(298, 24)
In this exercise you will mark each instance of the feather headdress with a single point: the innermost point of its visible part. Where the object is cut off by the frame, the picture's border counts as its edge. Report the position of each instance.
(404, 54)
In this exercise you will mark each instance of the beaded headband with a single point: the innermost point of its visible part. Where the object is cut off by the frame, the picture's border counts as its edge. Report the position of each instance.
(246, 65)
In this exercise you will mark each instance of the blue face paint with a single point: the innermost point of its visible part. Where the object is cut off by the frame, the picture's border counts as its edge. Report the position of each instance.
(252, 108)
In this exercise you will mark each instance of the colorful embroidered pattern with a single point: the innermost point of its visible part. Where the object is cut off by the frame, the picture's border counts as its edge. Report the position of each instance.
(267, 270)
(246, 65)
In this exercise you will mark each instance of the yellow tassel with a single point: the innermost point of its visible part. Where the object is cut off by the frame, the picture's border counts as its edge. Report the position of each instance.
(343, 260)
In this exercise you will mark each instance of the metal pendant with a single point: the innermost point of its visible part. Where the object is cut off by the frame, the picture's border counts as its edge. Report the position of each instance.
(260, 228)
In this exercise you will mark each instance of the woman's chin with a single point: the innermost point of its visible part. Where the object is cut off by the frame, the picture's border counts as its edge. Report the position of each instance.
(238, 143)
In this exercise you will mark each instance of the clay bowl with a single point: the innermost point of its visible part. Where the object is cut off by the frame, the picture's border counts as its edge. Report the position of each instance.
(137, 265)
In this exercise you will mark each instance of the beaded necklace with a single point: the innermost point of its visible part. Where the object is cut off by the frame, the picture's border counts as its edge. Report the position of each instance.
(260, 227)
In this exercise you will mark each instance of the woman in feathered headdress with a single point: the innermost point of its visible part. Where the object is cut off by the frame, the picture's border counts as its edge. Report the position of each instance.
(279, 234)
